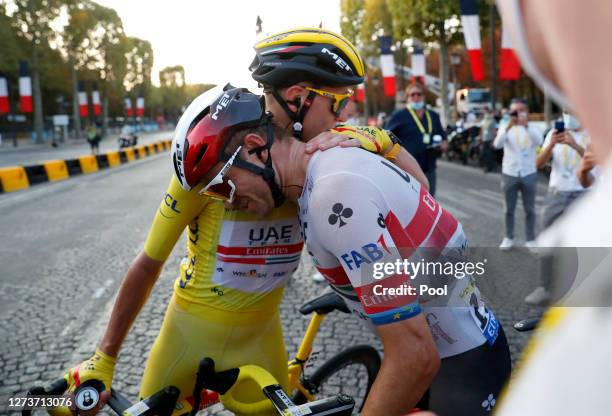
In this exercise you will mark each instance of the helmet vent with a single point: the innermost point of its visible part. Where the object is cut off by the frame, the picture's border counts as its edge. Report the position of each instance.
(201, 154)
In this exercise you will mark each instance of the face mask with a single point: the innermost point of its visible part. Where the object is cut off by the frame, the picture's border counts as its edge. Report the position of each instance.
(571, 122)
(417, 105)
(513, 21)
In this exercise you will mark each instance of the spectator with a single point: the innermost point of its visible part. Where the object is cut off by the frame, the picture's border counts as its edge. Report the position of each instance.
(93, 137)
(565, 147)
(519, 141)
(488, 130)
(420, 132)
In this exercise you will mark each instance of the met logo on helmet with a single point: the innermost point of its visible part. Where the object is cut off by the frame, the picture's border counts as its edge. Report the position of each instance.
(221, 105)
(339, 61)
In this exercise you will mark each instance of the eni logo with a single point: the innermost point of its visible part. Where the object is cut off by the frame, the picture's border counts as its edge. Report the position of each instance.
(169, 208)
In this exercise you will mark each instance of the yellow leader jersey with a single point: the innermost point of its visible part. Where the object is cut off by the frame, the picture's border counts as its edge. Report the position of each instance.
(234, 261)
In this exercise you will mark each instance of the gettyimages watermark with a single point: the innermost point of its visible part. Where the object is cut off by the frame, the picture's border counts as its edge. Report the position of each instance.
(574, 276)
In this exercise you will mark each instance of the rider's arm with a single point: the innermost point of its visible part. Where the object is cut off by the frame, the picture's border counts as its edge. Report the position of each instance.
(409, 164)
(384, 143)
(133, 294)
(351, 248)
(409, 338)
(177, 209)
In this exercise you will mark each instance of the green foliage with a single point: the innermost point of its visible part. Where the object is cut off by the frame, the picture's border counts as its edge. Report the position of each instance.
(139, 56)
(351, 17)
(377, 21)
(421, 19)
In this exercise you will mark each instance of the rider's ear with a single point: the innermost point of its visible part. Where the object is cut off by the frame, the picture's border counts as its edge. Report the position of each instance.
(293, 96)
(254, 141)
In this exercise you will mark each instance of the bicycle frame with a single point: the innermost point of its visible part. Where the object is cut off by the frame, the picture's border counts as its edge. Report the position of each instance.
(296, 366)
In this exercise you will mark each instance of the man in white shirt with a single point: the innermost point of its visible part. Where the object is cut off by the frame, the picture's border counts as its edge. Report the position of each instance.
(520, 142)
(564, 146)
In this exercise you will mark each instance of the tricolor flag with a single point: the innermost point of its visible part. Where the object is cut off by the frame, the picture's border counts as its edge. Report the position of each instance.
(509, 66)
(4, 96)
(360, 93)
(418, 65)
(128, 106)
(471, 31)
(25, 87)
(95, 100)
(83, 110)
(387, 65)
(140, 106)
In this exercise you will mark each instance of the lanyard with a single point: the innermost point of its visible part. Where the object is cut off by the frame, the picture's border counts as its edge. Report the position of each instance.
(575, 159)
(417, 120)
(522, 144)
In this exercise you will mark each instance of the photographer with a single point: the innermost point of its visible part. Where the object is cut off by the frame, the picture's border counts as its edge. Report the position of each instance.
(564, 147)
(519, 141)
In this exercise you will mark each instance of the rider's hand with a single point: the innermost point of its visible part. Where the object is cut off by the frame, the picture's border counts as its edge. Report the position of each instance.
(99, 367)
(373, 139)
(325, 140)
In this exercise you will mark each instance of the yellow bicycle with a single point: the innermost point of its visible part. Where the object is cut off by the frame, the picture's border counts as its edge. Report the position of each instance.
(338, 387)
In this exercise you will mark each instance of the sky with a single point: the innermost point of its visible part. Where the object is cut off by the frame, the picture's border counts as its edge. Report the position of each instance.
(213, 40)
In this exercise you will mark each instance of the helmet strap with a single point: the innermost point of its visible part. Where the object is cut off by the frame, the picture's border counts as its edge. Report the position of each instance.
(267, 173)
(296, 116)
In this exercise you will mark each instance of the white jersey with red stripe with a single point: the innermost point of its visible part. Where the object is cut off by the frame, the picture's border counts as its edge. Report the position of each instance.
(357, 210)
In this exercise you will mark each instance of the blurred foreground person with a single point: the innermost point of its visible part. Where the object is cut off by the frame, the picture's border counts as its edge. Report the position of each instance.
(569, 366)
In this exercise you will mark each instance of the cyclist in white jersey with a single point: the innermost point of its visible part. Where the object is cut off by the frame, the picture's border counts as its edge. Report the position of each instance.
(447, 353)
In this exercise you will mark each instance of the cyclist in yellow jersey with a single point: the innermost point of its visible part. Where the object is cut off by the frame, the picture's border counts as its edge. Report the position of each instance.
(226, 298)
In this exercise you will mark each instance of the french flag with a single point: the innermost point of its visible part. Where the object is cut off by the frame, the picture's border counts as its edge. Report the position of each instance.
(387, 64)
(471, 31)
(25, 87)
(360, 93)
(128, 106)
(140, 106)
(95, 100)
(418, 64)
(4, 97)
(509, 65)
(83, 110)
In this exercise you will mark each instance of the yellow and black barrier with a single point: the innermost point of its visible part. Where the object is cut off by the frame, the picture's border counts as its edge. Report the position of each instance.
(15, 178)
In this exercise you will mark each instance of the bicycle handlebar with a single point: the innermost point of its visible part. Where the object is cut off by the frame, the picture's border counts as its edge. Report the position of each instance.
(163, 401)
(262, 378)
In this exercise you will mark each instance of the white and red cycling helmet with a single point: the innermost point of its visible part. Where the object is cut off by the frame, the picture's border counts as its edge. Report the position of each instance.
(200, 135)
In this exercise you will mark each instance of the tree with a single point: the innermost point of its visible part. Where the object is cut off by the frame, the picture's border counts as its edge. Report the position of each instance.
(434, 22)
(139, 55)
(172, 90)
(79, 48)
(377, 21)
(112, 46)
(32, 21)
(351, 17)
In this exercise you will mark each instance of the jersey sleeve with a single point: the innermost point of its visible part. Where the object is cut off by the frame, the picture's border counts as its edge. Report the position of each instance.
(353, 242)
(176, 210)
